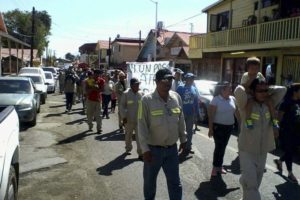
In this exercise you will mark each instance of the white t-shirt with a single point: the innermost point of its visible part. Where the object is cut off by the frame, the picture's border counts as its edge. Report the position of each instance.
(108, 87)
(225, 110)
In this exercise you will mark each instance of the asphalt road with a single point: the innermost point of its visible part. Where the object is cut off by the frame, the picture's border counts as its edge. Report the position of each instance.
(61, 160)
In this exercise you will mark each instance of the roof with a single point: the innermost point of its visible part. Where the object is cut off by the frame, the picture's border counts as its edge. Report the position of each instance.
(128, 40)
(186, 50)
(87, 47)
(103, 44)
(213, 5)
(2, 24)
(128, 43)
(185, 37)
(26, 55)
(164, 36)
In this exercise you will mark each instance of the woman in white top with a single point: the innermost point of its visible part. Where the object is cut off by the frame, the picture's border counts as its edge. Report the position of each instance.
(221, 120)
(106, 95)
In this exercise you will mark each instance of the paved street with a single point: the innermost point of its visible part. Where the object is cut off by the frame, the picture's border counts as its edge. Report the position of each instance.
(60, 160)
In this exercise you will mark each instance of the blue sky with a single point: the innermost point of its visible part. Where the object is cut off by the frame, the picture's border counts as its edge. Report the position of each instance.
(75, 22)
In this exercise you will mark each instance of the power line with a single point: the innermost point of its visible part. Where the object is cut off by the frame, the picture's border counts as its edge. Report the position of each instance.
(184, 20)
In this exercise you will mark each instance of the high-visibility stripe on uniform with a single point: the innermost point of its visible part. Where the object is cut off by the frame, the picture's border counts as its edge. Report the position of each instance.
(130, 102)
(268, 116)
(254, 116)
(176, 110)
(140, 109)
(157, 112)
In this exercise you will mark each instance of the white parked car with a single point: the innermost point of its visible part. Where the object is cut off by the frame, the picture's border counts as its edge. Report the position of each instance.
(51, 69)
(9, 153)
(50, 81)
(39, 84)
(32, 70)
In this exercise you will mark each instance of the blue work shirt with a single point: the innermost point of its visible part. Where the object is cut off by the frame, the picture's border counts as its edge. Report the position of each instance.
(189, 96)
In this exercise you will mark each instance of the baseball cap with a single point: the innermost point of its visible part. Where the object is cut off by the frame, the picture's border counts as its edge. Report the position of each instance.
(177, 70)
(163, 74)
(134, 81)
(189, 75)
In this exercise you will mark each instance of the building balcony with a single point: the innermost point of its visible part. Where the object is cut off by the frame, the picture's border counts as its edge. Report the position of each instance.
(269, 35)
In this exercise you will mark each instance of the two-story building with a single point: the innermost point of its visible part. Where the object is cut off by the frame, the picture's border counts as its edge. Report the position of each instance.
(237, 29)
(125, 50)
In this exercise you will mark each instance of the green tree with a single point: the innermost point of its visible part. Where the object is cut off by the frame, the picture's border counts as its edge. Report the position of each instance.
(18, 24)
(70, 57)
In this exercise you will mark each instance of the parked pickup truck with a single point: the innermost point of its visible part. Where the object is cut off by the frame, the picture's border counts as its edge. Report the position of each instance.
(9, 153)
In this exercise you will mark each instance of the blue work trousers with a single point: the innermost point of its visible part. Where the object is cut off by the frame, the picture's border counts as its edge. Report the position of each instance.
(167, 159)
(189, 123)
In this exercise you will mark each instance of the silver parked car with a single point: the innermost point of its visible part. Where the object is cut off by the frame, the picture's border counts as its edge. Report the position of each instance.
(21, 93)
(206, 90)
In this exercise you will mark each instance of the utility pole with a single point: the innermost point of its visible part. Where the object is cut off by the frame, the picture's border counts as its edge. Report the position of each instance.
(155, 29)
(32, 36)
(109, 51)
(140, 40)
(192, 27)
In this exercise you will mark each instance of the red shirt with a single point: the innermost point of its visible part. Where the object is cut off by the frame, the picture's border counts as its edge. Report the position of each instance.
(94, 94)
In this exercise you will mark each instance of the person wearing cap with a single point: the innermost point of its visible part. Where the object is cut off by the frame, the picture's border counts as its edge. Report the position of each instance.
(94, 87)
(128, 110)
(160, 125)
(120, 87)
(189, 96)
(177, 79)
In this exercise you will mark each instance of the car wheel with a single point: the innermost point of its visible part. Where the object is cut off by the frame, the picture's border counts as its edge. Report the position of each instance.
(12, 186)
(33, 122)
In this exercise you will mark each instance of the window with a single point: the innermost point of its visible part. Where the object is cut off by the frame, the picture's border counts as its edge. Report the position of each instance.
(267, 3)
(219, 22)
(119, 48)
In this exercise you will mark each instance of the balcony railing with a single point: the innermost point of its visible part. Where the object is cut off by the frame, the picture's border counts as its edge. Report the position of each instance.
(259, 34)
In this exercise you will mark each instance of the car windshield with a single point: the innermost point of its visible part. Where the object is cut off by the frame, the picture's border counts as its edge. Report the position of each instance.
(49, 70)
(36, 79)
(48, 76)
(205, 88)
(15, 86)
(28, 70)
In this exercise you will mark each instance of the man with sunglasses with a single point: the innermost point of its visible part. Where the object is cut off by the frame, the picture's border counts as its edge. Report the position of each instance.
(254, 144)
(160, 125)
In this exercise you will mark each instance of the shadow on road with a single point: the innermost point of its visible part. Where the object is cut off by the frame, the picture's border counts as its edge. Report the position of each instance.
(116, 135)
(53, 115)
(116, 164)
(57, 106)
(75, 138)
(214, 188)
(234, 168)
(286, 190)
(77, 121)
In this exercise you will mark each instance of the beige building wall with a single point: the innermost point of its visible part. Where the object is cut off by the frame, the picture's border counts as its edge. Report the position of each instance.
(241, 10)
(125, 53)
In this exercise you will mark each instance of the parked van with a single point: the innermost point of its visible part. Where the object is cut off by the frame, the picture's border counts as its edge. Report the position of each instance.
(33, 70)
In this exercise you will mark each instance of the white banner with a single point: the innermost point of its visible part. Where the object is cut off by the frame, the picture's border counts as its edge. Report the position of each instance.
(145, 73)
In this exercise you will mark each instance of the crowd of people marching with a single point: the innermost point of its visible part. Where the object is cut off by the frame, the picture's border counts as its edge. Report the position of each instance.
(263, 112)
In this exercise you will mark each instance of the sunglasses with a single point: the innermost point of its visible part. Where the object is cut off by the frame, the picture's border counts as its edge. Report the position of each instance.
(262, 91)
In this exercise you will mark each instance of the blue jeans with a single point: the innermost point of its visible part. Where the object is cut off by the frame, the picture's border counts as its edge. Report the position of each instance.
(189, 123)
(167, 159)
